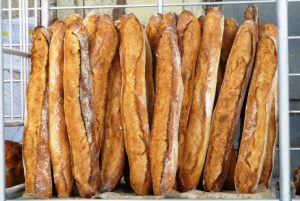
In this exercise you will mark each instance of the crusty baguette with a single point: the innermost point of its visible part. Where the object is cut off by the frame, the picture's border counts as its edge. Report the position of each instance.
(227, 111)
(254, 141)
(38, 179)
(78, 93)
(113, 151)
(70, 19)
(91, 24)
(188, 29)
(102, 51)
(150, 93)
(198, 127)
(58, 137)
(133, 103)
(168, 101)
(270, 30)
(230, 29)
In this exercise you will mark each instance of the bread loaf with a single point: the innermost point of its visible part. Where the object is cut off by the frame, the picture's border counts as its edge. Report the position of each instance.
(198, 127)
(254, 141)
(188, 29)
(134, 104)
(271, 31)
(113, 150)
(168, 101)
(58, 137)
(102, 51)
(230, 30)
(36, 135)
(14, 173)
(78, 94)
(227, 111)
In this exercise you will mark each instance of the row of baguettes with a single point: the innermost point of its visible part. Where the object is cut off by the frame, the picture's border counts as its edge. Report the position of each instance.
(165, 100)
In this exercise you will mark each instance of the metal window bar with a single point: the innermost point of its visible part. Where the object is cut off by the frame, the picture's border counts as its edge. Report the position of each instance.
(284, 144)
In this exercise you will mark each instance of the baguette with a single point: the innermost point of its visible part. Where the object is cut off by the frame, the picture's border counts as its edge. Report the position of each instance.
(91, 24)
(267, 170)
(230, 29)
(113, 151)
(102, 51)
(37, 165)
(253, 145)
(198, 127)
(188, 29)
(133, 103)
(228, 108)
(78, 93)
(169, 95)
(58, 137)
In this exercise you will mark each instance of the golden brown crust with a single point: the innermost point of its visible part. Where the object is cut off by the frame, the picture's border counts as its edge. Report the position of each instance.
(270, 30)
(168, 101)
(70, 19)
(230, 30)
(91, 24)
(14, 172)
(168, 19)
(188, 29)
(36, 136)
(228, 107)
(58, 138)
(152, 31)
(133, 103)
(78, 95)
(253, 145)
(198, 126)
(102, 51)
(113, 151)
